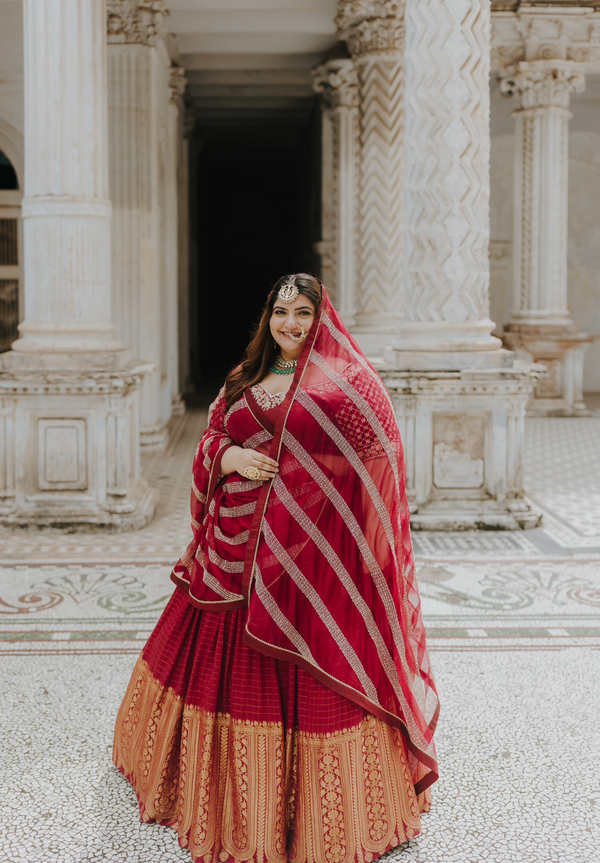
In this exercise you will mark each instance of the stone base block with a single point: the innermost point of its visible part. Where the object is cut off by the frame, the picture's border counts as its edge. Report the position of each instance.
(131, 513)
(177, 406)
(519, 514)
(462, 433)
(154, 440)
(69, 447)
(561, 350)
(447, 360)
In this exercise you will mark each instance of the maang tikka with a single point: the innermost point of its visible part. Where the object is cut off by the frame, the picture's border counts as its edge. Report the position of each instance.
(288, 293)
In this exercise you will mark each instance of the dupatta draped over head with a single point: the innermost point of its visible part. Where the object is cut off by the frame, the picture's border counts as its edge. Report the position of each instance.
(322, 554)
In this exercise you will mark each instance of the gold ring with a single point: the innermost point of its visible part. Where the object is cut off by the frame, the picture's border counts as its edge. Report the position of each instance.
(251, 472)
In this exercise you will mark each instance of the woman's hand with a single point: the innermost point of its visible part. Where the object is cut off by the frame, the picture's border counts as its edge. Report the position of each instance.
(238, 459)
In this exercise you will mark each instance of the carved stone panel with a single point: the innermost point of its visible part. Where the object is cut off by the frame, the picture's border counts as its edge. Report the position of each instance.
(458, 450)
(550, 387)
(62, 455)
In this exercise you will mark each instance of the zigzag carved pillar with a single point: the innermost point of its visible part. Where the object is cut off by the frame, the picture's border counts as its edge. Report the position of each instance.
(447, 186)
(459, 399)
(541, 328)
(374, 33)
(337, 82)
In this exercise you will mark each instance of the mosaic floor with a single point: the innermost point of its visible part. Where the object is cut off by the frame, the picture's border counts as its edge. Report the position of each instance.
(514, 629)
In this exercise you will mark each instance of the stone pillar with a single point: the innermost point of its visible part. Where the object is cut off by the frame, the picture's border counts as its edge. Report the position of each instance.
(69, 396)
(172, 225)
(459, 397)
(139, 71)
(375, 36)
(184, 263)
(338, 84)
(540, 328)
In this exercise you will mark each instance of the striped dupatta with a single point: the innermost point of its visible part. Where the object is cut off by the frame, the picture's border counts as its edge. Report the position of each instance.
(321, 555)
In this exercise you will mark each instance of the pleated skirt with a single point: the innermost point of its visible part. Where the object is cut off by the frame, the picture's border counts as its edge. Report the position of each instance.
(250, 758)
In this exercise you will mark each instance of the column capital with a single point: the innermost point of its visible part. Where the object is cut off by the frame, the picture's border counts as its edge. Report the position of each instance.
(177, 85)
(136, 21)
(337, 82)
(371, 26)
(543, 84)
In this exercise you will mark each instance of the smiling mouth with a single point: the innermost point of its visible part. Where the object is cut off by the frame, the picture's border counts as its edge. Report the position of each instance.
(297, 337)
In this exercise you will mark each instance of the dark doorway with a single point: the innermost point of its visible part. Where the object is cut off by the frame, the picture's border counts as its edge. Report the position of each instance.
(257, 216)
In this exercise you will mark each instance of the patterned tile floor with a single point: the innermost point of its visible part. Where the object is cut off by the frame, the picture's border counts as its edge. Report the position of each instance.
(514, 628)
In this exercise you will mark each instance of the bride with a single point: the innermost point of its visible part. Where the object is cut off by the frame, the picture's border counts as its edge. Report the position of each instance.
(284, 707)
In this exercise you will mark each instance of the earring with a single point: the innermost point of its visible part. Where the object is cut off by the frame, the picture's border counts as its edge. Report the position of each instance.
(274, 344)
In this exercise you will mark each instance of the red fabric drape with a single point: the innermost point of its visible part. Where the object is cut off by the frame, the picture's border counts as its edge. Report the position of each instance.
(322, 555)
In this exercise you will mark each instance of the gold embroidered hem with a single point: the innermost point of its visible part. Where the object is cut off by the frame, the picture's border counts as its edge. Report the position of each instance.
(242, 790)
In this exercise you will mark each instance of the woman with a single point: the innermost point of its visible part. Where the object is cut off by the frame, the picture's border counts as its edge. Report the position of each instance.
(284, 708)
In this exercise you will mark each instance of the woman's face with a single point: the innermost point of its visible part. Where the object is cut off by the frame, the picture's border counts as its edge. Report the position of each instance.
(290, 323)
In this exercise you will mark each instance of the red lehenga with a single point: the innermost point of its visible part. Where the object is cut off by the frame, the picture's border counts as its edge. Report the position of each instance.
(284, 708)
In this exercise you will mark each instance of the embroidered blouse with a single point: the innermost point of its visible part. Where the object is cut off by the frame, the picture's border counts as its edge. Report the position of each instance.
(266, 400)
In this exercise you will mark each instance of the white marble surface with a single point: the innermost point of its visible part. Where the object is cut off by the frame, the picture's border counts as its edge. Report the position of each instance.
(514, 631)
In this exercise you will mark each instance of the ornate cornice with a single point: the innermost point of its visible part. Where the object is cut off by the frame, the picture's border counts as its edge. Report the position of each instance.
(371, 26)
(337, 82)
(177, 84)
(136, 21)
(543, 84)
(558, 33)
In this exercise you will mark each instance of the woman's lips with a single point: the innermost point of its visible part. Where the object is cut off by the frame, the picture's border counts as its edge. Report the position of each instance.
(296, 337)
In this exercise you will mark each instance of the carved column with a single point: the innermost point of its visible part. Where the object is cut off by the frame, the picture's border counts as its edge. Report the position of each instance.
(540, 328)
(459, 398)
(447, 186)
(69, 434)
(138, 103)
(374, 33)
(173, 227)
(338, 83)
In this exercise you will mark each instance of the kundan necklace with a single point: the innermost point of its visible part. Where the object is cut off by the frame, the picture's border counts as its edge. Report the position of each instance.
(283, 367)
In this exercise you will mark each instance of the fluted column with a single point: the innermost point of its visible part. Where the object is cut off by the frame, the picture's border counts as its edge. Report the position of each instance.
(374, 32)
(338, 83)
(542, 92)
(447, 62)
(177, 85)
(540, 328)
(69, 393)
(66, 209)
(138, 102)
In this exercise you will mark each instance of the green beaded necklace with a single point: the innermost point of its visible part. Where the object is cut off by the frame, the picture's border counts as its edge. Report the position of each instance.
(283, 367)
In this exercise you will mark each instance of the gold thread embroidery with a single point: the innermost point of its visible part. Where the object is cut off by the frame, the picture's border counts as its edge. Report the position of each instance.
(249, 791)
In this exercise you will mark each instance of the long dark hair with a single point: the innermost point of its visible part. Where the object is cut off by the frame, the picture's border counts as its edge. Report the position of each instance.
(260, 353)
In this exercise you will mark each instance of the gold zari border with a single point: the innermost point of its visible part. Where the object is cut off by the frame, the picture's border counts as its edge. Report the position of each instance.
(239, 790)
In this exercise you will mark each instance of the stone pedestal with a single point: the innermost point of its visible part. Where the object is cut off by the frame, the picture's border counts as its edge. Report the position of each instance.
(338, 83)
(69, 394)
(561, 349)
(462, 433)
(459, 396)
(69, 446)
(374, 33)
(540, 328)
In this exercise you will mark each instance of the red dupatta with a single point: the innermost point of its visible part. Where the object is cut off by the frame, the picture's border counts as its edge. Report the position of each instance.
(326, 564)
